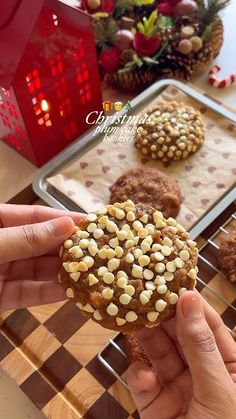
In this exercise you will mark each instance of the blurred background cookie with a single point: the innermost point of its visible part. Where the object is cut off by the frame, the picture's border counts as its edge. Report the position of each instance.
(227, 256)
(148, 186)
(134, 351)
(173, 131)
(126, 266)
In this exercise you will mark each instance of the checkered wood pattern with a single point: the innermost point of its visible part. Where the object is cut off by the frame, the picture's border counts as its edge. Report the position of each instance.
(51, 351)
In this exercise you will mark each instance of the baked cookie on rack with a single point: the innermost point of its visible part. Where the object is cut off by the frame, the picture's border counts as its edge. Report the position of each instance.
(233, 333)
(173, 131)
(148, 186)
(126, 266)
(227, 256)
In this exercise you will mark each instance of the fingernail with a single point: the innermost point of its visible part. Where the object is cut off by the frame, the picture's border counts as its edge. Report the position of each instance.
(191, 307)
(61, 226)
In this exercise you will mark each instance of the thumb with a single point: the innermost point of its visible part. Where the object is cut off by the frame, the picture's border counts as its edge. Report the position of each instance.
(31, 240)
(199, 346)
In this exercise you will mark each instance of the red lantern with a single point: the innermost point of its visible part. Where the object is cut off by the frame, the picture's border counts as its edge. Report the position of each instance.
(49, 79)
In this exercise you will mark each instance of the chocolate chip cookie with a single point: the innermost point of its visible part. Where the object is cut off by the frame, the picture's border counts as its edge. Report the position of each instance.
(173, 131)
(148, 186)
(227, 256)
(126, 266)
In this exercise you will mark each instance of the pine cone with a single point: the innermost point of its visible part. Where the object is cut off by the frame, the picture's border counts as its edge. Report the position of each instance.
(132, 81)
(127, 55)
(177, 65)
(169, 35)
(217, 37)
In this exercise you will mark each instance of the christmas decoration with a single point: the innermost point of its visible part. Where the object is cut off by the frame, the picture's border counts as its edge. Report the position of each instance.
(141, 41)
(218, 82)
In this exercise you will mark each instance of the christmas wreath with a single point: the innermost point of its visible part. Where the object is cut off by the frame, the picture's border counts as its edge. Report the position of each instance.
(141, 41)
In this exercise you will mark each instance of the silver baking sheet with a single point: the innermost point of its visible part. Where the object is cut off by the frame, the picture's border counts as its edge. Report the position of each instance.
(84, 143)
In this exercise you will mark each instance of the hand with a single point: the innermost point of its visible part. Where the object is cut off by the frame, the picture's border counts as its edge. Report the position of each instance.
(194, 362)
(30, 238)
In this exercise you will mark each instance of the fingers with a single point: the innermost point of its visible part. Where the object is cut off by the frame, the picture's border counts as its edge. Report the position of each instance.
(199, 346)
(143, 384)
(28, 241)
(43, 268)
(21, 294)
(162, 353)
(15, 215)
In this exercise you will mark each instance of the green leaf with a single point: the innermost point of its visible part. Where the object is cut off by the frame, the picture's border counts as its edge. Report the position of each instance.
(144, 2)
(159, 53)
(207, 31)
(141, 27)
(137, 60)
(149, 60)
(165, 22)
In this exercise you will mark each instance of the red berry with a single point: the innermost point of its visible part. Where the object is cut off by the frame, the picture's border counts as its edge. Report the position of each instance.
(165, 9)
(146, 46)
(110, 59)
(173, 2)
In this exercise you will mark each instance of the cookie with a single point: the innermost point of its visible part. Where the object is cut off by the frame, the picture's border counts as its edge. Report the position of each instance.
(126, 266)
(233, 333)
(173, 131)
(150, 187)
(227, 256)
(135, 352)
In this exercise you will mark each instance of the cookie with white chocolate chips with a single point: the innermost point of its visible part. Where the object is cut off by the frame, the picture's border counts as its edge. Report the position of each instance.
(126, 266)
(173, 131)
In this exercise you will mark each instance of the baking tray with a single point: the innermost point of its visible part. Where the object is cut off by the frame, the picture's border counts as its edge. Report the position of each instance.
(82, 145)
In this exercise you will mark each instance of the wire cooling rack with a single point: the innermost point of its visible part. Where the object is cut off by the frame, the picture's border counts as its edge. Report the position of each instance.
(211, 282)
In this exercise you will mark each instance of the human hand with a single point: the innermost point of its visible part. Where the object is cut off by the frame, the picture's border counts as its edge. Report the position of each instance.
(194, 362)
(30, 238)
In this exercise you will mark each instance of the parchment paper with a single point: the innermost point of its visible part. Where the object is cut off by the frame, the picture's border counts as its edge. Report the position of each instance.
(203, 177)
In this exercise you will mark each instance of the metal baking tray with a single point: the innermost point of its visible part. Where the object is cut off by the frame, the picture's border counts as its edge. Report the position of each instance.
(84, 143)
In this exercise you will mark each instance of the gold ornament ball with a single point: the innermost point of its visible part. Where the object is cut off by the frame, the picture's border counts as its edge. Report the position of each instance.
(185, 46)
(197, 43)
(187, 32)
(186, 8)
(94, 4)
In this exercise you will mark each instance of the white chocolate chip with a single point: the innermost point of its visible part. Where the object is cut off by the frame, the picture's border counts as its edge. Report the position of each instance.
(125, 299)
(144, 218)
(110, 253)
(66, 266)
(107, 293)
(129, 258)
(126, 228)
(161, 289)
(184, 255)
(130, 235)
(181, 229)
(152, 316)
(75, 276)
(68, 244)
(148, 274)
(130, 290)
(130, 216)
(173, 298)
(121, 274)
(76, 251)
(144, 297)
(103, 219)
(112, 309)
(102, 253)
(158, 256)
(156, 247)
(98, 233)
(80, 305)
(166, 251)
(150, 286)
(138, 253)
(144, 260)
(102, 270)
(111, 226)
(179, 263)
(84, 243)
(160, 305)
(89, 262)
(88, 308)
(137, 271)
(102, 211)
(167, 242)
(168, 276)
(145, 246)
(131, 316)
(182, 290)
(113, 264)
(192, 274)
(91, 227)
(161, 224)
(108, 278)
(179, 243)
(114, 242)
(129, 244)
(160, 268)
(97, 315)
(171, 222)
(74, 266)
(170, 267)
(70, 293)
(120, 321)
(148, 240)
(119, 251)
(91, 217)
(121, 282)
(81, 234)
(157, 215)
(122, 235)
(192, 244)
(137, 225)
(120, 214)
(142, 233)
(150, 228)
(173, 230)
(92, 280)
(159, 280)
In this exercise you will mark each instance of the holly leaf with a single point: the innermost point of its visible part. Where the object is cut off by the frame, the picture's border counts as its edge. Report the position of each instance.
(165, 22)
(151, 61)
